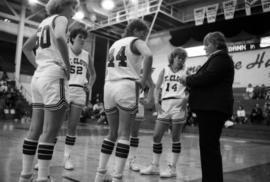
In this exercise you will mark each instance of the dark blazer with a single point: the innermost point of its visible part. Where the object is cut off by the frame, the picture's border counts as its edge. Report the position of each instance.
(211, 87)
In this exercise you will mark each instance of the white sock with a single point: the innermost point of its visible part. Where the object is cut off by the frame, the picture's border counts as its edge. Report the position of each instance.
(27, 164)
(121, 161)
(104, 157)
(29, 150)
(156, 159)
(44, 159)
(43, 169)
(175, 157)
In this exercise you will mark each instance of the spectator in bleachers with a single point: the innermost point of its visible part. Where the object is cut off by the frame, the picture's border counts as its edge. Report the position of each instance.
(256, 115)
(256, 92)
(99, 112)
(250, 90)
(262, 92)
(4, 76)
(87, 112)
(267, 95)
(241, 115)
(267, 112)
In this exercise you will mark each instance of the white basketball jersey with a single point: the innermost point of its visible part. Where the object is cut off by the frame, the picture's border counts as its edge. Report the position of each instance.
(48, 57)
(171, 86)
(78, 67)
(122, 62)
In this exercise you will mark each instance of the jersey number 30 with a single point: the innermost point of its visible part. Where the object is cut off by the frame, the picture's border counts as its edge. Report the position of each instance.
(120, 56)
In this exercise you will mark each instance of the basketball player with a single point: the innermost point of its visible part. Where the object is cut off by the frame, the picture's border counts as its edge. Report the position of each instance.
(120, 96)
(171, 111)
(80, 64)
(49, 87)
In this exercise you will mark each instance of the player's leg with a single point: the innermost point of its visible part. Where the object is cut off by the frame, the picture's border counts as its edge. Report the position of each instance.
(134, 143)
(108, 144)
(31, 141)
(73, 119)
(160, 127)
(55, 92)
(177, 128)
(122, 146)
(109, 141)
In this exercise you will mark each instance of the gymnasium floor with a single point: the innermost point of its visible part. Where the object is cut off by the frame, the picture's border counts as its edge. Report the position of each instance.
(243, 160)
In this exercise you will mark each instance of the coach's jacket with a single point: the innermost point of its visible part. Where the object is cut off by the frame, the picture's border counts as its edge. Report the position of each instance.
(211, 87)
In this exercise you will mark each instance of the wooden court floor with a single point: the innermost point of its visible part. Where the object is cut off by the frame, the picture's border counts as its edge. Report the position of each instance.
(243, 160)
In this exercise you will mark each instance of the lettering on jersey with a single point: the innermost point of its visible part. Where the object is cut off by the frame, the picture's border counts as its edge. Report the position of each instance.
(172, 78)
(76, 66)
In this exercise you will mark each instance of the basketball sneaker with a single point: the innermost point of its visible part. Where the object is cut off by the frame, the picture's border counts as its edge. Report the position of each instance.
(132, 165)
(170, 173)
(26, 178)
(68, 164)
(152, 169)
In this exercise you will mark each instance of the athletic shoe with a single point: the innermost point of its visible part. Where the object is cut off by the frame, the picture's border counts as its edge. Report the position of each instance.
(26, 178)
(36, 166)
(170, 173)
(50, 179)
(150, 170)
(132, 165)
(102, 176)
(68, 164)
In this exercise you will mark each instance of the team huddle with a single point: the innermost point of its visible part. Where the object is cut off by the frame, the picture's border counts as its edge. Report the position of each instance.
(63, 72)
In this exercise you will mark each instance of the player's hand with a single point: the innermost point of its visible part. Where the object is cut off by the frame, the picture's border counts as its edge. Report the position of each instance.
(158, 108)
(183, 79)
(67, 72)
(141, 83)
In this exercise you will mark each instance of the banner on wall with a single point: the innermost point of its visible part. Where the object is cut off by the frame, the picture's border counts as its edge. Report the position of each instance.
(248, 5)
(199, 14)
(251, 67)
(211, 13)
(266, 5)
(229, 9)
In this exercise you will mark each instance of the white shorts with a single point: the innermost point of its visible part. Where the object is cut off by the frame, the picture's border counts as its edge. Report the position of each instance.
(173, 112)
(120, 94)
(77, 95)
(49, 93)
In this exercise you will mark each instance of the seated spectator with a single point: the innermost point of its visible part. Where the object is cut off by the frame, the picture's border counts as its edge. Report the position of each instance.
(87, 112)
(241, 115)
(267, 113)
(99, 112)
(262, 92)
(256, 92)
(256, 115)
(267, 95)
(250, 91)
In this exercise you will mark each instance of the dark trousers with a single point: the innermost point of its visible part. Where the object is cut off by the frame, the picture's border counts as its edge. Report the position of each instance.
(210, 128)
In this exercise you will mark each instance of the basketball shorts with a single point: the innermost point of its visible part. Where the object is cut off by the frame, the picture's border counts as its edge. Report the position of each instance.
(49, 93)
(120, 94)
(173, 112)
(77, 96)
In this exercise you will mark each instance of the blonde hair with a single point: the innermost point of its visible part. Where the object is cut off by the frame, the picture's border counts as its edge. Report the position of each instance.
(57, 6)
(218, 39)
(179, 51)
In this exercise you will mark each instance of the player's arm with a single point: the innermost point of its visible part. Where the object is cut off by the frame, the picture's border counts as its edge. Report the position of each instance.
(141, 47)
(61, 24)
(92, 75)
(28, 49)
(158, 90)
